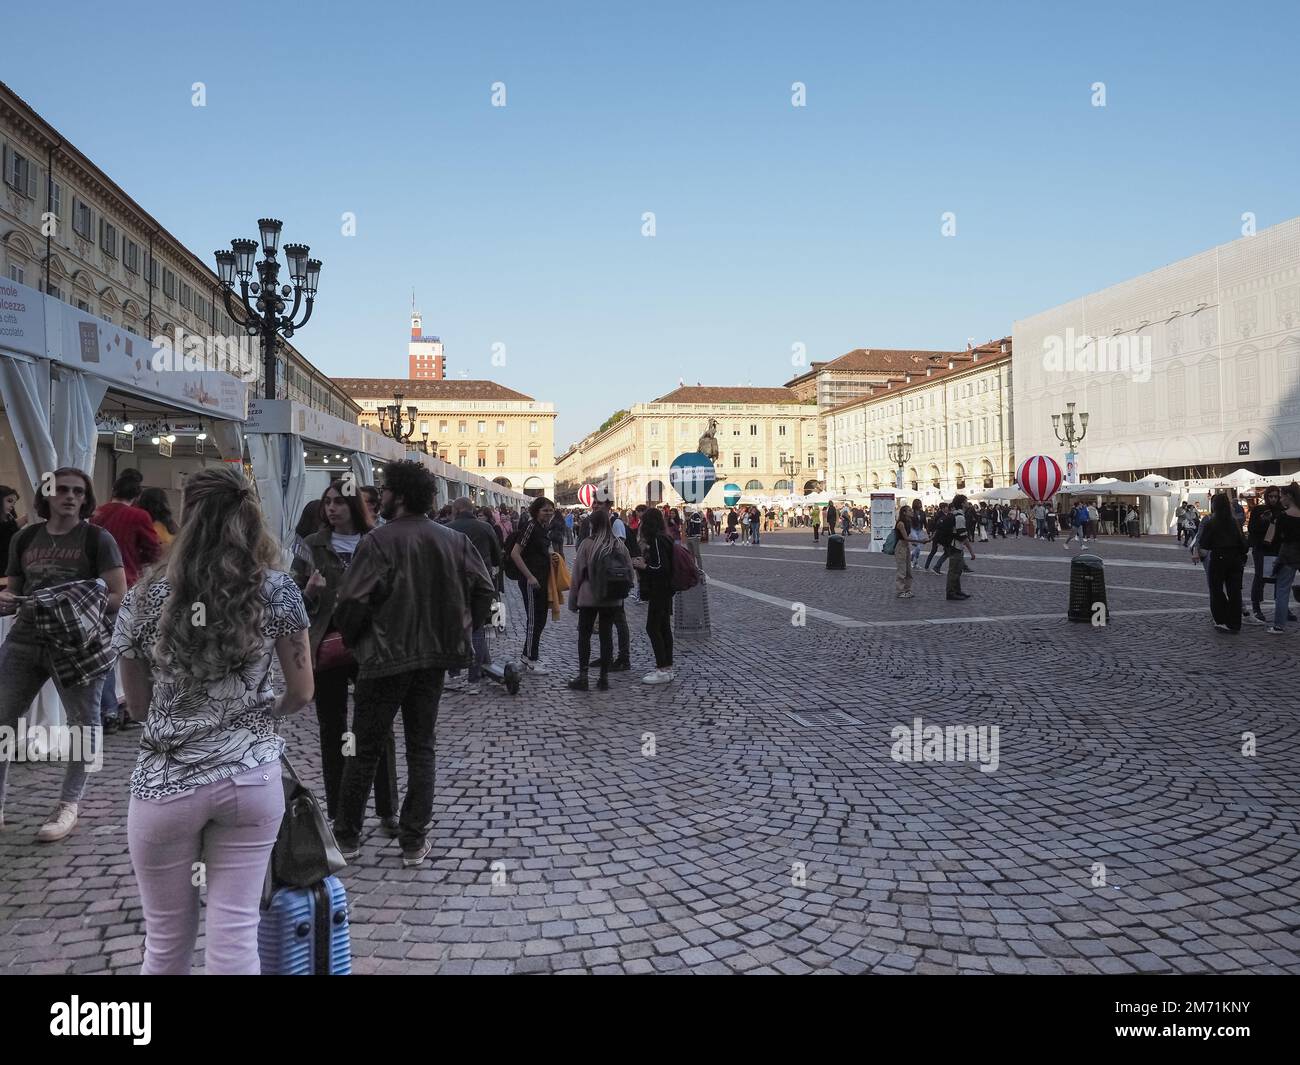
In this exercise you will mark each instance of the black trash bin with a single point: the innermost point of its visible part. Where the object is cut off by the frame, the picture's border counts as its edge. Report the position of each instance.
(835, 551)
(1087, 588)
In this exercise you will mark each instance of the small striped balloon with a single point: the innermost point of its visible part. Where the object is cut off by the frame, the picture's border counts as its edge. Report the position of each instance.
(587, 495)
(1039, 476)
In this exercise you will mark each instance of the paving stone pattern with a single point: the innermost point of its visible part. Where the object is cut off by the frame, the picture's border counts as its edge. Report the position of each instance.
(747, 843)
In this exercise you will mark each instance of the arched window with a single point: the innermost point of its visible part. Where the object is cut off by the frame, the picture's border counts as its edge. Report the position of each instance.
(783, 486)
(753, 486)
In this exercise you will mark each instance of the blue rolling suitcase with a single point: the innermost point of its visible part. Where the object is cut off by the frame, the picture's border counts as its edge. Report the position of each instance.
(304, 931)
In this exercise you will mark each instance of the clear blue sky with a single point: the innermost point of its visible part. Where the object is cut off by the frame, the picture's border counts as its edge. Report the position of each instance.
(775, 225)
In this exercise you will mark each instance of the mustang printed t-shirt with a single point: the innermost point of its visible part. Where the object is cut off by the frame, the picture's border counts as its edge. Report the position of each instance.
(49, 560)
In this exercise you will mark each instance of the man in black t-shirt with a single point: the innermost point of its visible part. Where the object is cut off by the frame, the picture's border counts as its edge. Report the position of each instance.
(65, 548)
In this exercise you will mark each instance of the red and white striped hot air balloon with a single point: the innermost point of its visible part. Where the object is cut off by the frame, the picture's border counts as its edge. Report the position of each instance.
(587, 495)
(1039, 476)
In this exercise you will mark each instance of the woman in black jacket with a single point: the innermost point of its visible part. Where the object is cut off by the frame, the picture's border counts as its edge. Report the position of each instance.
(318, 569)
(1225, 543)
(656, 567)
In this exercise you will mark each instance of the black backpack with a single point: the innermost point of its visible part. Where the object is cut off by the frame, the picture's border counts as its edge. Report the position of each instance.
(508, 562)
(614, 578)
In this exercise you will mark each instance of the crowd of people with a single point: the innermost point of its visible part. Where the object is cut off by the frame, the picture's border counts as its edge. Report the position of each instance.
(196, 616)
(1269, 533)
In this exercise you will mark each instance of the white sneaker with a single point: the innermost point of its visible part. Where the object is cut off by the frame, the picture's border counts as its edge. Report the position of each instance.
(536, 667)
(658, 676)
(60, 823)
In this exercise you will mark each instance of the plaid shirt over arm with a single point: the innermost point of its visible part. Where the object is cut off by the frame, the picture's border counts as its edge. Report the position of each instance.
(74, 624)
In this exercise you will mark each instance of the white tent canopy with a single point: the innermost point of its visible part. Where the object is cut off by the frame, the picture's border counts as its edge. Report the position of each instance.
(1000, 495)
(1112, 487)
(1240, 479)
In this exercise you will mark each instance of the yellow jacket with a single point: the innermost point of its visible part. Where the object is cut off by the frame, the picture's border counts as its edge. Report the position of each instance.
(558, 585)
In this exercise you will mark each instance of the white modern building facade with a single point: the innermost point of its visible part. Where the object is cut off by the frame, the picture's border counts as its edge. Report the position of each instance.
(1192, 370)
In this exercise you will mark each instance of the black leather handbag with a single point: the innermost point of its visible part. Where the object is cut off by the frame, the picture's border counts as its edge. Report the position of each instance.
(305, 850)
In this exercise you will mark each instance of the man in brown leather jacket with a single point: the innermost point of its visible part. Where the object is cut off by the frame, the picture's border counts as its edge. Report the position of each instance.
(406, 607)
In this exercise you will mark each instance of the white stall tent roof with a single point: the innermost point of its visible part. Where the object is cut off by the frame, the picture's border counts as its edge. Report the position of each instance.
(1112, 487)
(44, 327)
(1240, 479)
(1007, 494)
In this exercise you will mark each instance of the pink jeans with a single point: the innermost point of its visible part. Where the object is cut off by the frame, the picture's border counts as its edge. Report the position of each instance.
(219, 835)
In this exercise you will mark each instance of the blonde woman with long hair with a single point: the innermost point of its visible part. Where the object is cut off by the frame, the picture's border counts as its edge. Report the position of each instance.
(196, 636)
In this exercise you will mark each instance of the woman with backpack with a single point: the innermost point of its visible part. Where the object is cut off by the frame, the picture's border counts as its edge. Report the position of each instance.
(656, 568)
(602, 578)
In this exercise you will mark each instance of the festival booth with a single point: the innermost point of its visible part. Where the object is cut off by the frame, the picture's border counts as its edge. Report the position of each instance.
(79, 391)
(278, 433)
(1155, 505)
(453, 482)
(1009, 494)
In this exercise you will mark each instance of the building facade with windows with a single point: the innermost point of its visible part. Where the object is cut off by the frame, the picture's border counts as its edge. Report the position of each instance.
(766, 439)
(69, 231)
(838, 381)
(956, 417)
(480, 426)
(1190, 371)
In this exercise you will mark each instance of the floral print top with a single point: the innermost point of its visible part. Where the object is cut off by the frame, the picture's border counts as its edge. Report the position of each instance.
(197, 733)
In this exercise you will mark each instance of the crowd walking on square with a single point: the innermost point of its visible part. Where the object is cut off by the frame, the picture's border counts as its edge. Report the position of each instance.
(196, 616)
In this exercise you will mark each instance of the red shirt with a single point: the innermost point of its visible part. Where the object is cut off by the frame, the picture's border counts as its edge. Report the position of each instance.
(133, 530)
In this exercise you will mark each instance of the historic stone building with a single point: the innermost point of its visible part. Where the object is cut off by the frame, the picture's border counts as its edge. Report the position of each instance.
(838, 381)
(766, 440)
(68, 230)
(954, 417)
(480, 426)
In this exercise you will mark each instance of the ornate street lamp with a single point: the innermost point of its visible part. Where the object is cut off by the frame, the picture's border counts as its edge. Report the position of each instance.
(391, 422)
(264, 315)
(900, 451)
(792, 471)
(1072, 438)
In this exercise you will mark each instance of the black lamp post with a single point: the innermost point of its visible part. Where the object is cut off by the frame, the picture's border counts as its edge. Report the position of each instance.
(900, 451)
(1072, 438)
(792, 468)
(391, 422)
(264, 315)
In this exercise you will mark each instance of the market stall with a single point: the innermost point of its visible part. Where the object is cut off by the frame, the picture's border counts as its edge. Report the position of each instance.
(79, 391)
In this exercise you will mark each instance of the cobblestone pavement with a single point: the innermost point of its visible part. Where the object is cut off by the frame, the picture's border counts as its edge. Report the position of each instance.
(743, 841)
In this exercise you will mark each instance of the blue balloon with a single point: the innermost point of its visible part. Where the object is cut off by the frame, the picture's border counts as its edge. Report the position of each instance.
(730, 494)
(692, 475)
